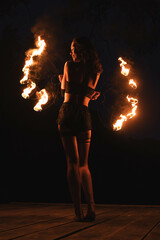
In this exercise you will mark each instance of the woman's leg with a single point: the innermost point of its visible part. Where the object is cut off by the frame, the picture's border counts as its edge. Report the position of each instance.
(83, 140)
(73, 174)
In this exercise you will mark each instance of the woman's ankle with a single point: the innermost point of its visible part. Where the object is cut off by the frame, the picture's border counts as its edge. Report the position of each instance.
(79, 212)
(91, 207)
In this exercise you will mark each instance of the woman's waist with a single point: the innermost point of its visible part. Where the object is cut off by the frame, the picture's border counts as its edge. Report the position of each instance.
(76, 99)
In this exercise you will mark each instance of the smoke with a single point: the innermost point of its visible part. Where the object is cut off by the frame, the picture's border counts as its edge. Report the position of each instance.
(45, 72)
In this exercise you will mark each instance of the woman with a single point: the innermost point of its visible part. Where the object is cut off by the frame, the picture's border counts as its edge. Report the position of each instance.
(74, 121)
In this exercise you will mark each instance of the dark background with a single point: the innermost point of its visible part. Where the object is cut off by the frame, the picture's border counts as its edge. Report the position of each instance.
(124, 165)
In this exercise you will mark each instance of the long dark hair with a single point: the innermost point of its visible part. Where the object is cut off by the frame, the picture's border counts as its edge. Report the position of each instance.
(88, 55)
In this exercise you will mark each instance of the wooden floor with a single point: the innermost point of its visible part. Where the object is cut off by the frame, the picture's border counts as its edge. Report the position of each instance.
(43, 221)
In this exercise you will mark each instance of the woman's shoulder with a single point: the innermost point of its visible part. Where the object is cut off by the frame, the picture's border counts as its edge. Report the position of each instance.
(72, 66)
(67, 66)
(68, 63)
(71, 63)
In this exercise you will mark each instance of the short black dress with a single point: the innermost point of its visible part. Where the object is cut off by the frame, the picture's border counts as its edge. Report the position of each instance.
(73, 117)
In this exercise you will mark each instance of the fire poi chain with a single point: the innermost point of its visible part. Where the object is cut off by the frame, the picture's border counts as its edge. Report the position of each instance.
(41, 95)
(123, 118)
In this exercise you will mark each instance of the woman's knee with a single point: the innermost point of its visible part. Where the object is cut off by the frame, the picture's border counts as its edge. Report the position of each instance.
(83, 162)
(73, 170)
(72, 161)
(84, 168)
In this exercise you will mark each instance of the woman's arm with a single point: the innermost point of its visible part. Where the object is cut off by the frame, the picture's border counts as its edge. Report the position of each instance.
(60, 76)
(96, 81)
(63, 82)
(96, 94)
(62, 79)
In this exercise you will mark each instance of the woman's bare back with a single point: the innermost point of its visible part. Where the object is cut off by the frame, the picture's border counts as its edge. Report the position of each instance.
(75, 72)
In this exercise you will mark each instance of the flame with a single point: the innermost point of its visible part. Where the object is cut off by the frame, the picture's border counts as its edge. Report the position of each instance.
(133, 102)
(42, 95)
(122, 118)
(132, 83)
(118, 125)
(124, 71)
(28, 90)
(31, 53)
(43, 99)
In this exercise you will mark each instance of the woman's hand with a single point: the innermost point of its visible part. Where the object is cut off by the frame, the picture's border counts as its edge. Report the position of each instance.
(95, 95)
(60, 76)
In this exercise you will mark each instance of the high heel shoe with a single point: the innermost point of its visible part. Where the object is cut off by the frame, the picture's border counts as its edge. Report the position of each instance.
(79, 218)
(90, 217)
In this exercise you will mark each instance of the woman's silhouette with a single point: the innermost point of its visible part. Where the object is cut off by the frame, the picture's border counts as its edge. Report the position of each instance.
(78, 82)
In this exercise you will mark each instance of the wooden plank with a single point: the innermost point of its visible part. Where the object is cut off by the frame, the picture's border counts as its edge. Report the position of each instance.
(154, 234)
(138, 229)
(56, 232)
(123, 227)
(17, 216)
(109, 226)
(32, 228)
(26, 219)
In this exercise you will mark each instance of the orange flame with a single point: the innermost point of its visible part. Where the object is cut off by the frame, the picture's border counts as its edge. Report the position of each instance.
(132, 83)
(42, 95)
(133, 102)
(43, 99)
(124, 71)
(28, 90)
(29, 62)
(30, 54)
(118, 124)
